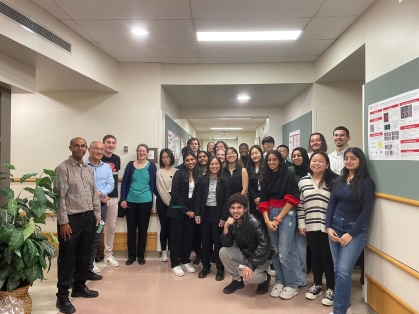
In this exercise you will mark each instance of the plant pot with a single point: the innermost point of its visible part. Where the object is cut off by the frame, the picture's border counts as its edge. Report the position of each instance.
(21, 294)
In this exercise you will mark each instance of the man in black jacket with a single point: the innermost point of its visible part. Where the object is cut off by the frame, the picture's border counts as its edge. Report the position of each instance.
(245, 244)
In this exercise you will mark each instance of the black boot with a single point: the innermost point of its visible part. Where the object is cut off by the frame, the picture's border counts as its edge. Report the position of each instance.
(204, 272)
(220, 275)
(64, 305)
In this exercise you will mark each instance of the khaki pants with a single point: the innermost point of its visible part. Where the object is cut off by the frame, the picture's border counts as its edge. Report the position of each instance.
(109, 229)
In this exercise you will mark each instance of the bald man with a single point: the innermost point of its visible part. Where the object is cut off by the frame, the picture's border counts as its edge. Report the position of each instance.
(77, 215)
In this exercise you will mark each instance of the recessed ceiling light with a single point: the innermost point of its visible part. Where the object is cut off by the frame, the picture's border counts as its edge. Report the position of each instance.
(226, 128)
(247, 36)
(139, 31)
(243, 97)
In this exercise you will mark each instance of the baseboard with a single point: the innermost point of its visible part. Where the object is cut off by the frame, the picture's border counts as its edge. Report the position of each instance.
(120, 241)
(384, 301)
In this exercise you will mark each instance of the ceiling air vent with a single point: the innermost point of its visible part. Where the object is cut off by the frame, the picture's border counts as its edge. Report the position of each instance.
(33, 27)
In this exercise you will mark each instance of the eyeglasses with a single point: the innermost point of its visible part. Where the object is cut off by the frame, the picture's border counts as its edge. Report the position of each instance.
(79, 146)
(98, 149)
(165, 157)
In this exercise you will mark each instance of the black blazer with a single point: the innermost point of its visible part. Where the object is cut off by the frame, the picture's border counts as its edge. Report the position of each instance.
(222, 194)
(180, 204)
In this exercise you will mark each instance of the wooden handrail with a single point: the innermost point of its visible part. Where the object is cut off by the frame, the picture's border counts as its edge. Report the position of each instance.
(393, 261)
(397, 199)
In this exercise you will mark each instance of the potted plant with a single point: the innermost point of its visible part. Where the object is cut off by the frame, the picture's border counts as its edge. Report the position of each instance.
(24, 250)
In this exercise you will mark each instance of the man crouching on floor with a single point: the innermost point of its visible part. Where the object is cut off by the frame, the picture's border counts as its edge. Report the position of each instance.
(246, 247)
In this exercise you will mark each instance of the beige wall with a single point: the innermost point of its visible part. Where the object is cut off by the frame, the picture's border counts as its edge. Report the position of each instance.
(242, 137)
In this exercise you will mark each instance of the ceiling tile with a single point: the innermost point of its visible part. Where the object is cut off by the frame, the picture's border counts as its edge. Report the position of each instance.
(241, 25)
(121, 30)
(300, 59)
(327, 27)
(160, 60)
(77, 28)
(242, 60)
(239, 9)
(309, 47)
(344, 7)
(150, 49)
(126, 9)
(51, 7)
(244, 49)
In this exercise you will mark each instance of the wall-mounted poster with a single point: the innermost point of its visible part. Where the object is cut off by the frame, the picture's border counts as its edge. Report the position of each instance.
(182, 143)
(393, 128)
(293, 141)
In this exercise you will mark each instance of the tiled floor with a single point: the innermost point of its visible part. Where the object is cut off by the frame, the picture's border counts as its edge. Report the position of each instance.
(152, 288)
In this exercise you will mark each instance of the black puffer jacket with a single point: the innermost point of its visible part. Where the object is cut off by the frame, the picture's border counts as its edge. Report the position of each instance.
(251, 239)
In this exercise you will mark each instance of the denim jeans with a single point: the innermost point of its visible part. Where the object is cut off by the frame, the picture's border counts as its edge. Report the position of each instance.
(300, 257)
(283, 240)
(344, 259)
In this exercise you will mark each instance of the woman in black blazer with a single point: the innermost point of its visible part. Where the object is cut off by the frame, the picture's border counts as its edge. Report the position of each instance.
(181, 214)
(211, 212)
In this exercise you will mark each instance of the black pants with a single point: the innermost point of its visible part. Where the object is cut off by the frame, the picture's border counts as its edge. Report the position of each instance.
(164, 223)
(181, 239)
(197, 241)
(211, 236)
(138, 216)
(321, 258)
(74, 253)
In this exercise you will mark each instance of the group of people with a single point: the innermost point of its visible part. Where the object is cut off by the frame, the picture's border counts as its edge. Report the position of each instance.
(244, 211)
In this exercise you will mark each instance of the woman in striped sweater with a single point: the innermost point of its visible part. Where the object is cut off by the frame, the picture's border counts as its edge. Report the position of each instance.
(315, 190)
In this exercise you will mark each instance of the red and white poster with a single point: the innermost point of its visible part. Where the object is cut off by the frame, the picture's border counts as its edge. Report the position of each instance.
(293, 141)
(393, 128)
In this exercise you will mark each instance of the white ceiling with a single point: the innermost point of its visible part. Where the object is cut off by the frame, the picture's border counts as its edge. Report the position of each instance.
(205, 125)
(262, 95)
(173, 24)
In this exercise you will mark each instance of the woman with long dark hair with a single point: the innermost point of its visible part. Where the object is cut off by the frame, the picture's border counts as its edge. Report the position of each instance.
(347, 217)
(211, 212)
(302, 255)
(181, 214)
(235, 174)
(254, 169)
(137, 189)
(315, 190)
(164, 187)
(211, 148)
(202, 159)
(279, 193)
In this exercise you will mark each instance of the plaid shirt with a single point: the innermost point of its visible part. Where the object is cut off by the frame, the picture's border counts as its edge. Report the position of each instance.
(78, 194)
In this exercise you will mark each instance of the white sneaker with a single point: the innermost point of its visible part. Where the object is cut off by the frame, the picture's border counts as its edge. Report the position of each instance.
(164, 257)
(111, 261)
(95, 269)
(188, 267)
(349, 311)
(178, 271)
(276, 290)
(288, 293)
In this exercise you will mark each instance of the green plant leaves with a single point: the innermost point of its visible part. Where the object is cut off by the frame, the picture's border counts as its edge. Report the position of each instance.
(16, 240)
(34, 272)
(13, 282)
(18, 263)
(35, 208)
(27, 176)
(8, 256)
(6, 232)
(9, 166)
(44, 182)
(30, 190)
(12, 207)
(29, 229)
(5, 217)
(53, 238)
(7, 192)
(49, 172)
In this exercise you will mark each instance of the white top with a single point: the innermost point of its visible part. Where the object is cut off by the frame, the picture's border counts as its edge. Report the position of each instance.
(336, 161)
(191, 187)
